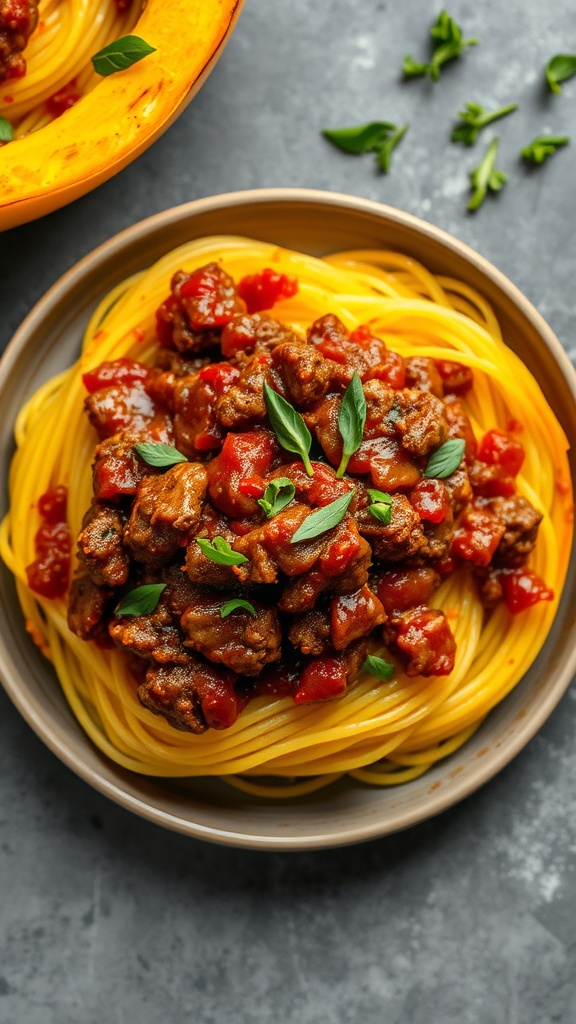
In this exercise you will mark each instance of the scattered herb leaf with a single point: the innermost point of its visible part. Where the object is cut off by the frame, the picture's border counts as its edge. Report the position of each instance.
(121, 54)
(543, 146)
(277, 495)
(448, 44)
(157, 454)
(560, 68)
(446, 459)
(219, 551)
(141, 601)
(383, 513)
(485, 177)
(378, 667)
(6, 130)
(351, 421)
(289, 427)
(474, 117)
(384, 151)
(362, 138)
(323, 519)
(237, 602)
(380, 496)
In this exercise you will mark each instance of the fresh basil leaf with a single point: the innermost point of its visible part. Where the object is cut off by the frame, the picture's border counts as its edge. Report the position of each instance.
(474, 117)
(543, 146)
(237, 602)
(6, 130)
(323, 519)
(277, 495)
(384, 150)
(121, 54)
(378, 667)
(485, 177)
(413, 68)
(360, 139)
(289, 427)
(380, 496)
(141, 601)
(446, 459)
(447, 43)
(560, 68)
(351, 421)
(157, 454)
(219, 551)
(383, 513)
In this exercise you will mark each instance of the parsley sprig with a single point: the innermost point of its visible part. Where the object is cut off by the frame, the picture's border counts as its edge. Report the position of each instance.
(474, 117)
(485, 178)
(379, 137)
(447, 42)
(543, 146)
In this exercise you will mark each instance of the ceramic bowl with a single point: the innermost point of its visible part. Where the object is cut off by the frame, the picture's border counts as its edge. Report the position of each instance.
(347, 812)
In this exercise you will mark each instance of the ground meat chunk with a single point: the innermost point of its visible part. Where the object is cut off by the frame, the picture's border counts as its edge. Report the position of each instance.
(304, 371)
(311, 632)
(87, 607)
(180, 365)
(399, 589)
(489, 583)
(247, 332)
(242, 404)
(192, 697)
(438, 538)
(459, 426)
(101, 546)
(198, 305)
(154, 636)
(118, 469)
(459, 488)
(419, 420)
(202, 570)
(18, 19)
(354, 616)
(241, 642)
(521, 521)
(165, 510)
(423, 639)
(128, 408)
(397, 540)
(421, 373)
(341, 566)
(196, 429)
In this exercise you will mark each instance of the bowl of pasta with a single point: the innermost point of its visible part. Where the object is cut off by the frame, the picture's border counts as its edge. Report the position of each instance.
(286, 537)
(87, 85)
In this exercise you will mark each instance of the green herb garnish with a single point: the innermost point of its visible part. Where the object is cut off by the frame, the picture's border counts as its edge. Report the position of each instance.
(351, 421)
(277, 495)
(121, 54)
(379, 137)
(378, 667)
(474, 118)
(219, 551)
(448, 44)
(141, 600)
(446, 459)
(485, 177)
(560, 68)
(237, 602)
(381, 505)
(6, 130)
(543, 146)
(323, 519)
(157, 454)
(289, 427)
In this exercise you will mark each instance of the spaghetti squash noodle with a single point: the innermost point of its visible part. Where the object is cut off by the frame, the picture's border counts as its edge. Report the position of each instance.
(59, 58)
(381, 731)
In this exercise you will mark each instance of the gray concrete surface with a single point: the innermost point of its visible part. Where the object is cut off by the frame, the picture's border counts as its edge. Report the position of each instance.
(471, 918)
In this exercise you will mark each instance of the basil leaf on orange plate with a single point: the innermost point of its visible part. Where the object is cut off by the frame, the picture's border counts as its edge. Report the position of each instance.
(121, 54)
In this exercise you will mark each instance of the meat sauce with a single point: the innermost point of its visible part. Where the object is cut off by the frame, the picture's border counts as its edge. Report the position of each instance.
(313, 605)
(18, 19)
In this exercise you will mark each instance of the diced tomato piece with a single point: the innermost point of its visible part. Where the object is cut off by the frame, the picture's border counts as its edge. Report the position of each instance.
(491, 481)
(400, 589)
(389, 465)
(456, 378)
(252, 486)
(392, 370)
(322, 679)
(209, 298)
(219, 375)
(523, 588)
(243, 455)
(52, 504)
(423, 637)
(264, 290)
(115, 371)
(220, 704)
(431, 500)
(497, 449)
(277, 681)
(48, 575)
(354, 615)
(478, 537)
(341, 552)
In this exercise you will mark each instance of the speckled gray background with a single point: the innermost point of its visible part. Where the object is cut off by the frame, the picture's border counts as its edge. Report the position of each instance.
(471, 918)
